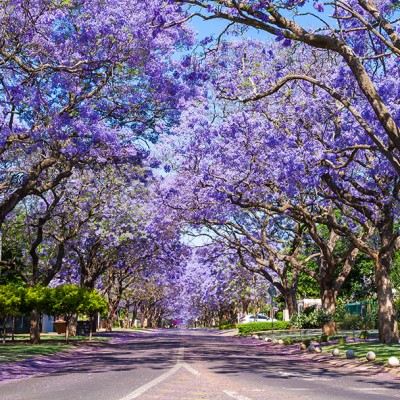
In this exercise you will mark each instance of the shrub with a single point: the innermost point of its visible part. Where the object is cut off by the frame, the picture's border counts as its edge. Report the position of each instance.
(298, 320)
(341, 312)
(323, 317)
(364, 335)
(288, 341)
(311, 318)
(324, 338)
(370, 321)
(352, 322)
(263, 326)
(227, 326)
(342, 340)
(279, 315)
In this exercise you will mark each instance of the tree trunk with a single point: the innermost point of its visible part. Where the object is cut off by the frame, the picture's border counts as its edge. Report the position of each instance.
(387, 324)
(109, 324)
(291, 300)
(4, 331)
(91, 319)
(34, 332)
(73, 324)
(67, 320)
(13, 329)
(328, 298)
(110, 319)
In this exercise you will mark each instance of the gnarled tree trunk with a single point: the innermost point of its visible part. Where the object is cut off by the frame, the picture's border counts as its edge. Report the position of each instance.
(328, 299)
(291, 301)
(72, 325)
(110, 319)
(34, 331)
(387, 324)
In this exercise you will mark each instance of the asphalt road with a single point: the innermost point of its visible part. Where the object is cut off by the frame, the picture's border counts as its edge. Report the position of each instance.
(184, 364)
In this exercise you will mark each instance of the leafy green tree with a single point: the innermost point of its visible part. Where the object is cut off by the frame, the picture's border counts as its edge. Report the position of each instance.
(395, 273)
(66, 301)
(11, 298)
(92, 303)
(360, 284)
(308, 287)
(38, 300)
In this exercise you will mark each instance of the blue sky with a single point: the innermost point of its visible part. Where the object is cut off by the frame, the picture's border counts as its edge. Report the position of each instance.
(215, 26)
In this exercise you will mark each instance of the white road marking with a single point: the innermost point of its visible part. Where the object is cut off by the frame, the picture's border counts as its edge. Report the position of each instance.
(136, 393)
(236, 396)
(179, 364)
(181, 354)
(190, 369)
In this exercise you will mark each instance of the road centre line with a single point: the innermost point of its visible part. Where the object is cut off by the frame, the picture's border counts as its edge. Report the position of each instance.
(235, 395)
(181, 354)
(190, 369)
(179, 364)
(136, 393)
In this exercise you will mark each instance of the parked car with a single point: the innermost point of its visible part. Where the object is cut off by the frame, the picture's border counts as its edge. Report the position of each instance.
(250, 318)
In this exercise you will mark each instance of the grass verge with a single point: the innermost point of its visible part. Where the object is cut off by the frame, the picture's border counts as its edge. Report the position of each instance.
(21, 349)
(20, 352)
(382, 351)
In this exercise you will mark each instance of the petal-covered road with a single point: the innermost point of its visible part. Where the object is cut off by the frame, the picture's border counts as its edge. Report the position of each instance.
(183, 364)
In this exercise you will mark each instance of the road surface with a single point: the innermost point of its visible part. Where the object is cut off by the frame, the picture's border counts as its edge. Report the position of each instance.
(192, 365)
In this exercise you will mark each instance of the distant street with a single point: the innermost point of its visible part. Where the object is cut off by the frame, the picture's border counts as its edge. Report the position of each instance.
(186, 364)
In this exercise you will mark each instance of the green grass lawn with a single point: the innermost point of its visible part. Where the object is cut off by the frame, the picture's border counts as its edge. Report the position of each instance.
(21, 349)
(51, 337)
(382, 351)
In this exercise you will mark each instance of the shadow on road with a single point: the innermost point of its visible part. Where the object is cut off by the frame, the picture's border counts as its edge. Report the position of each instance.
(234, 356)
(221, 355)
(126, 352)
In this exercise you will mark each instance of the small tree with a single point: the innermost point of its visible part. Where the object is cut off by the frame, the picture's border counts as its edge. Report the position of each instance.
(10, 304)
(67, 300)
(92, 303)
(38, 299)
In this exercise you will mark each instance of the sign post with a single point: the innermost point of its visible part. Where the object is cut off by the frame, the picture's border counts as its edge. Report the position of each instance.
(272, 294)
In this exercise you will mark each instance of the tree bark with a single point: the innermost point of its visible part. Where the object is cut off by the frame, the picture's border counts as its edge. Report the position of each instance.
(91, 319)
(67, 320)
(328, 299)
(13, 329)
(72, 325)
(387, 324)
(34, 332)
(4, 331)
(110, 319)
(291, 300)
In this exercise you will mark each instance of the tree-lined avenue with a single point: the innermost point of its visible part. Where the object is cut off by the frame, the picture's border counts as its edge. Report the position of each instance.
(193, 364)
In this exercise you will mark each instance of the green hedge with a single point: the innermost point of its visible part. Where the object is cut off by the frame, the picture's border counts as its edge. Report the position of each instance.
(227, 326)
(263, 326)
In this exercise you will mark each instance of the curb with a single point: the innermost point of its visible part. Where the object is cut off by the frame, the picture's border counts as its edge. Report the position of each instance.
(357, 363)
